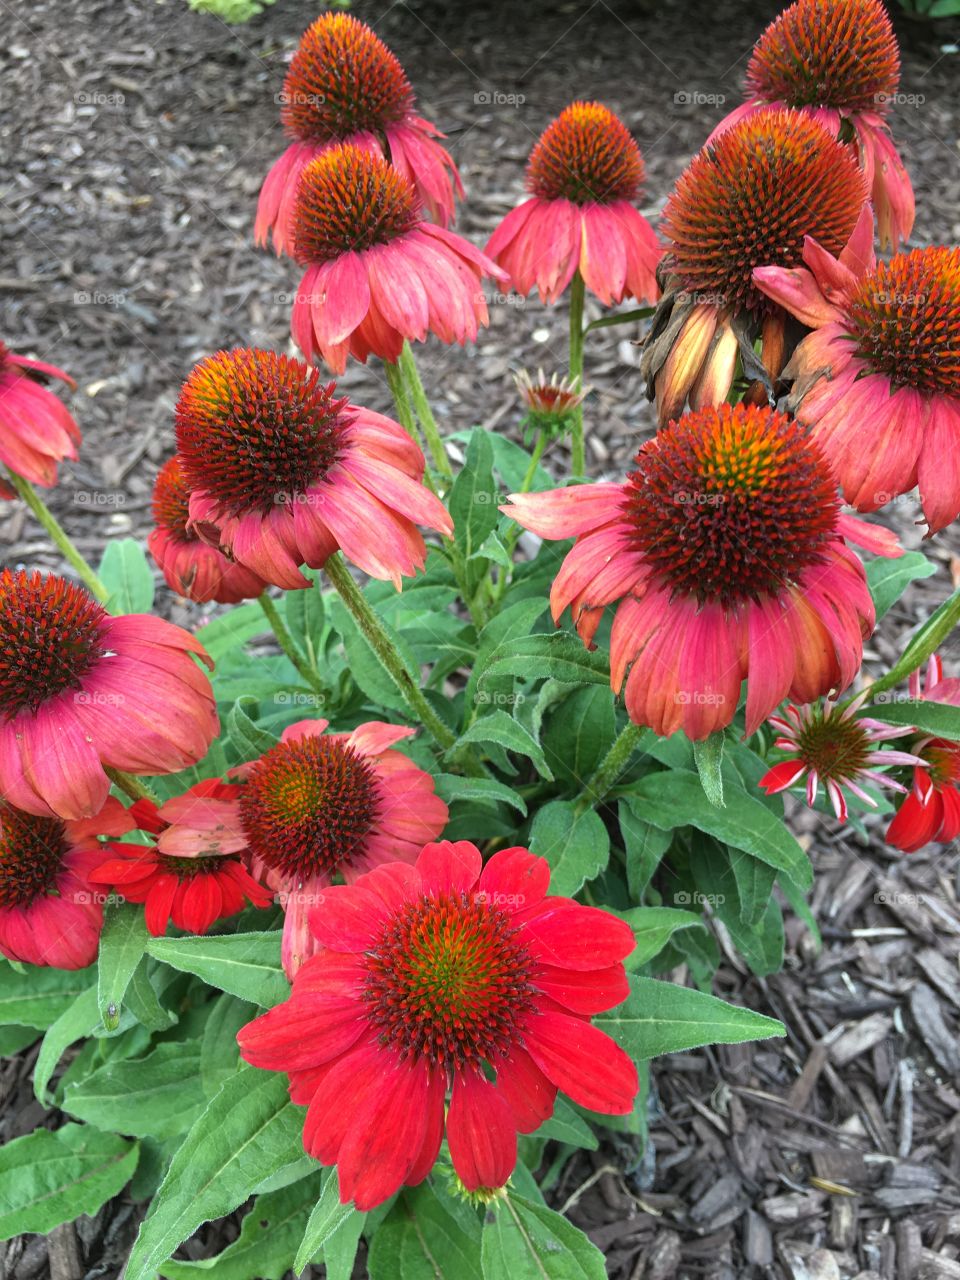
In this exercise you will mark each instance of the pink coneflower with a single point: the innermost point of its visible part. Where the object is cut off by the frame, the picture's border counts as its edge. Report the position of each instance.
(931, 811)
(748, 200)
(831, 746)
(191, 891)
(878, 382)
(315, 806)
(36, 430)
(282, 473)
(81, 691)
(189, 565)
(584, 175)
(50, 912)
(377, 274)
(430, 979)
(725, 549)
(838, 61)
(344, 85)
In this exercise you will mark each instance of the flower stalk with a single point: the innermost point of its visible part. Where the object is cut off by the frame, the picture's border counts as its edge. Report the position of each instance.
(59, 535)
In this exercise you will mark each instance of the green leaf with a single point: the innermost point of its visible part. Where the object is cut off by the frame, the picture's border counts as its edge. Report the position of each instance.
(245, 964)
(14, 1039)
(938, 718)
(576, 845)
(453, 789)
(496, 641)
(233, 630)
(305, 615)
(888, 579)
(528, 1241)
(653, 928)
(122, 944)
(644, 845)
(76, 1021)
(48, 1178)
(474, 499)
(708, 756)
(674, 799)
(250, 740)
(327, 1217)
(925, 641)
(143, 1002)
(566, 1126)
(157, 1096)
(421, 1240)
(558, 655)
(501, 729)
(268, 1239)
(580, 733)
(37, 997)
(219, 1051)
(660, 1017)
(248, 1131)
(126, 573)
(340, 1250)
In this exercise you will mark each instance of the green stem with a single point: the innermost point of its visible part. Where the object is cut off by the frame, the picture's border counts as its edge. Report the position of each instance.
(287, 644)
(131, 785)
(398, 389)
(385, 650)
(610, 768)
(46, 517)
(576, 369)
(421, 405)
(538, 449)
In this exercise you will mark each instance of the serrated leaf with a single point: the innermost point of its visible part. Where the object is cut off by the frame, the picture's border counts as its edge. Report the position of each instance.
(888, 579)
(47, 1178)
(674, 799)
(453, 789)
(38, 996)
(126, 573)
(248, 1131)
(157, 1096)
(245, 964)
(653, 927)
(500, 728)
(268, 1239)
(528, 1241)
(576, 845)
(327, 1217)
(661, 1017)
(122, 944)
(559, 655)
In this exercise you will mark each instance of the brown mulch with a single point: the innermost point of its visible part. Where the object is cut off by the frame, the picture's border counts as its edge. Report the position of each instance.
(135, 136)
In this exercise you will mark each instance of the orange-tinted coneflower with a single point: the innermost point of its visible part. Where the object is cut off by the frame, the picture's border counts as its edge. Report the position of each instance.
(36, 429)
(344, 85)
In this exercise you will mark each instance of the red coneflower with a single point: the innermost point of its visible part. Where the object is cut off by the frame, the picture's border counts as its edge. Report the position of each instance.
(878, 382)
(282, 473)
(747, 200)
(931, 811)
(189, 565)
(315, 806)
(81, 690)
(377, 274)
(725, 549)
(36, 430)
(50, 913)
(830, 746)
(584, 175)
(426, 976)
(838, 61)
(193, 890)
(344, 85)
(550, 406)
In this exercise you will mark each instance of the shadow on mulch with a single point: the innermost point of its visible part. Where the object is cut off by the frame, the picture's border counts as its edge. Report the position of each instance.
(135, 137)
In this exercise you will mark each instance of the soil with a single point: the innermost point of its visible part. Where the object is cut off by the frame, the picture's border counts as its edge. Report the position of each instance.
(135, 136)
